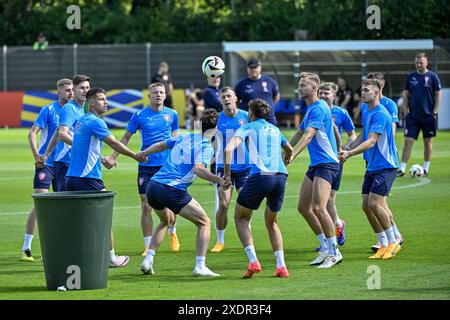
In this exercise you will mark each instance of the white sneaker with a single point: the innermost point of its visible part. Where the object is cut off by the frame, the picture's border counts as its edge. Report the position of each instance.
(375, 247)
(147, 267)
(331, 261)
(321, 256)
(204, 272)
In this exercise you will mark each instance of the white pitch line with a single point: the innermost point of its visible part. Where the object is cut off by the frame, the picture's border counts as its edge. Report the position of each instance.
(422, 182)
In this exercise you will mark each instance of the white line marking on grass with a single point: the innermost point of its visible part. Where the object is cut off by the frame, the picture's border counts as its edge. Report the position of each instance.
(421, 182)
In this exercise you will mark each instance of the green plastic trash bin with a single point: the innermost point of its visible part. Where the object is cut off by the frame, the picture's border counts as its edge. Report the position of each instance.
(74, 232)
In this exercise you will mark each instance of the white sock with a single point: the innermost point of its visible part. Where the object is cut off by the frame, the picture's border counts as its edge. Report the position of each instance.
(251, 253)
(147, 241)
(172, 230)
(396, 232)
(426, 165)
(403, 166)
(200, 262)
(280, 258)
(382, 239)
(338, 222)
(390, 235)
(323, 242)
(27, 242)
(221, 236)
(112, 255)
(150, 255)
(332, 244)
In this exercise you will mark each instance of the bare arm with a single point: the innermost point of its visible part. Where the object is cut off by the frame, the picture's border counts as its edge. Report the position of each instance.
(276, 99)
(64, 135)
(405, 103)
(338, 137)
(155, 148)
(306, 139)
(369, 143)
(355, 143)
(438, 96)
(228, 154)
(124, 140)
(121, 148)
(351, 138)
(296, 137)
(202, 172)
(287, 148)
(32, 141)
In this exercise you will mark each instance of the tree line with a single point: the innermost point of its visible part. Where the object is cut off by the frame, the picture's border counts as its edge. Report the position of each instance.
(139, 21)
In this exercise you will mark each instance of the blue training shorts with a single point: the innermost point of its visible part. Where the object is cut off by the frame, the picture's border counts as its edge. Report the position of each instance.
(161, 196)
(379, 182)
(44, 177)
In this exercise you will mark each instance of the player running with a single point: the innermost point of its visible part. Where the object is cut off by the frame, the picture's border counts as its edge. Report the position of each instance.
(44, 175)
(267, 179)
(380, 152)
(230, 119)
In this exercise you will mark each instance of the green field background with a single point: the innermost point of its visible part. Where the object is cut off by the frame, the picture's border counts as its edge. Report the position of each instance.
(420, 271)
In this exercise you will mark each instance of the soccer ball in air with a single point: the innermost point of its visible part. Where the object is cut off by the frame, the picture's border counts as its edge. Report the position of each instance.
(213, 67)
(416, 171)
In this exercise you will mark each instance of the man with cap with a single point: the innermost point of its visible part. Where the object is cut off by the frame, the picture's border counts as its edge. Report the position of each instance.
(257, 86)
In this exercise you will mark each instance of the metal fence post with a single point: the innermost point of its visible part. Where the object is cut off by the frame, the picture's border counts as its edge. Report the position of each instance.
(5, 74)
(147, 61)
(75, 58)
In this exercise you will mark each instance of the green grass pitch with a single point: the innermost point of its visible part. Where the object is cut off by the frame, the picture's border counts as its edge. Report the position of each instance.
(420, 271)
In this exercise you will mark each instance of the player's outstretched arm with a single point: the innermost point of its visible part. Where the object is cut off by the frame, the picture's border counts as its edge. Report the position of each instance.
(287, 156)
(369, 143)
(349, 146)
(124, 140)
(121, 148)
(155, 148)
(50, 147)
(351, 139)
(64, 135)
(306, 139)
(228, 154)
(202, 172)
(296, 137)
(337, 136)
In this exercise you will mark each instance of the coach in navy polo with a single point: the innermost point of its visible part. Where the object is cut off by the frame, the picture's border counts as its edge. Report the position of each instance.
(258, 86)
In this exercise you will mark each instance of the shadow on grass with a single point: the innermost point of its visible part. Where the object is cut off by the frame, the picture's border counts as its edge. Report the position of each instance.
(23, 289)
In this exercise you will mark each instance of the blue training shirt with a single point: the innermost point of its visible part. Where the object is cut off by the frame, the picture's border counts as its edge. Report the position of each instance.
(69, 114)
(48, 121)
(342, 119)
(154, 127)
(422, 89)
(187, 150)
(226, 129)
(264, 145)
(90, 130)
(322, 148)
(383, 155)
(390, 106)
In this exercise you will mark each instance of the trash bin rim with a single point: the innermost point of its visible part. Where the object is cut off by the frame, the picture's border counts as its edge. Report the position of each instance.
(74, 195)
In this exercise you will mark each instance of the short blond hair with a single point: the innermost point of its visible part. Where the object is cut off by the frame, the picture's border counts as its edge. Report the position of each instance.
(156, 84)
(62, 82)
(310, 77)
(329, 86)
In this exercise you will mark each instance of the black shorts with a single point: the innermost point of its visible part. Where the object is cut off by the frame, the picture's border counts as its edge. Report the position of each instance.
(379, 182)
(60, 175)
(259, 186)
(44, 177)
(161, 196)
(83, 184)
(414, 123)
(238, 179)
(144, 175)
(328, 171)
